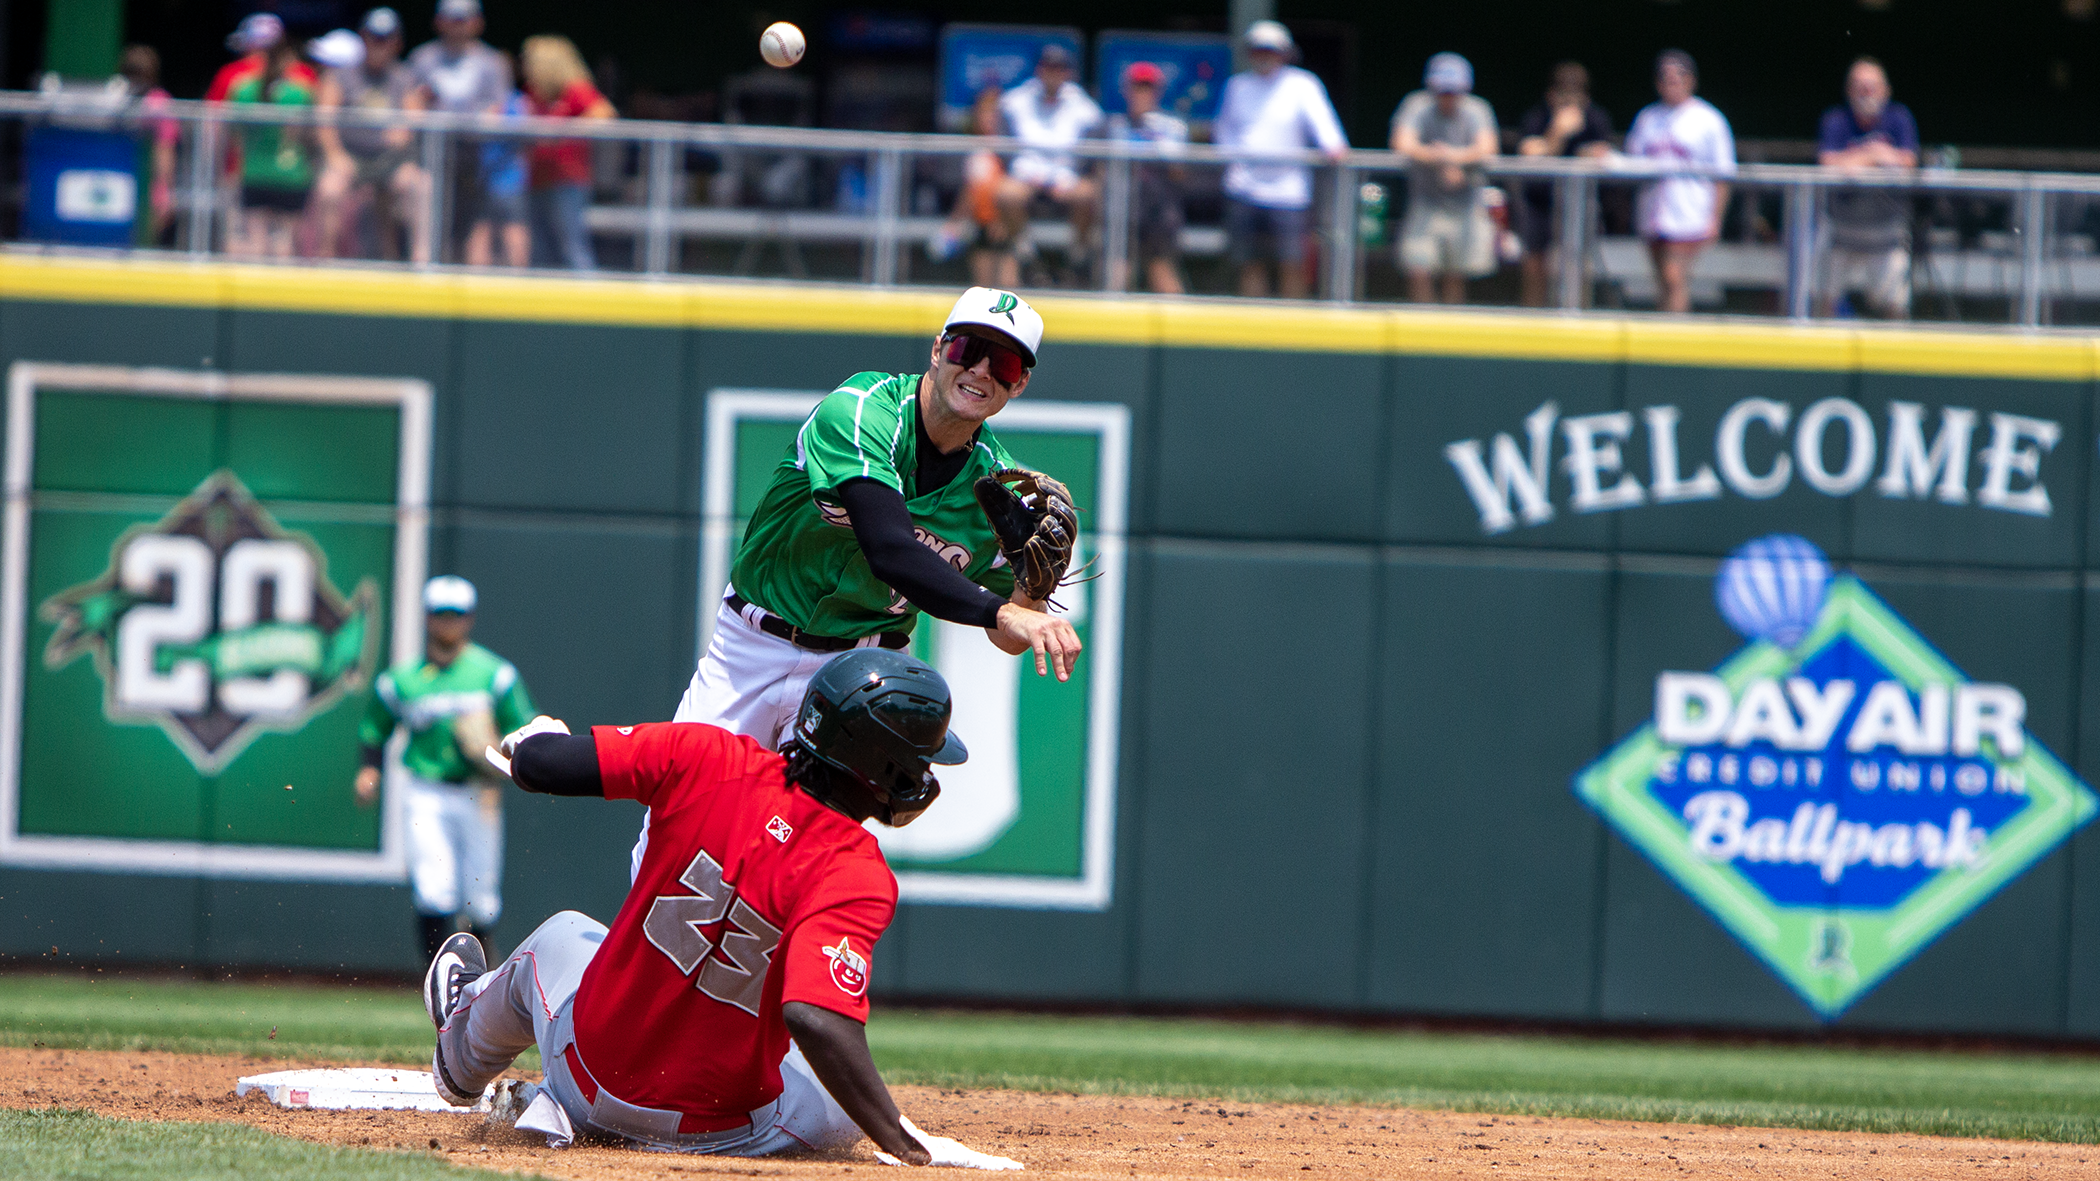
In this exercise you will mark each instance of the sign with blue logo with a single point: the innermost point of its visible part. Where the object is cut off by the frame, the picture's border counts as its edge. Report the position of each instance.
(1196, 66)
(1837, 794)
(976, 56)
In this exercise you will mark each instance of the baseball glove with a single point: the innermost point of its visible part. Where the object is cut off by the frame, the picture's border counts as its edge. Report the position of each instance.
(1036, 523)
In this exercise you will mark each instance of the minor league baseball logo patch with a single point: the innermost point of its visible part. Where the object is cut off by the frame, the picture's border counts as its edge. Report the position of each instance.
(780, 829)
(1837, 793)
(216, 624)
(849, 968)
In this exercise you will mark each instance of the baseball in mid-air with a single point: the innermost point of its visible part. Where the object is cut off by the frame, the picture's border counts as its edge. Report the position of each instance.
(781, 44)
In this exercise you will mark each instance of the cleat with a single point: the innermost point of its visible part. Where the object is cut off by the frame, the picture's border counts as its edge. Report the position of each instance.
(442, 1079)
(459, 961)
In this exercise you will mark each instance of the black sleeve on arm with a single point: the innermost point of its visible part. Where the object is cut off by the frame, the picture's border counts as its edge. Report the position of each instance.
(558, 765)
(371, 756)
(883, 527)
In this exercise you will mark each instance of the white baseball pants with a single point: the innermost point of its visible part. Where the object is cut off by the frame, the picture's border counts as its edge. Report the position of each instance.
(455, 851)
(748, 683)
(526, 1002)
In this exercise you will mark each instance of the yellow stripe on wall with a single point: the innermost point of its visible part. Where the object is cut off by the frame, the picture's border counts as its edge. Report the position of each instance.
(803, 307)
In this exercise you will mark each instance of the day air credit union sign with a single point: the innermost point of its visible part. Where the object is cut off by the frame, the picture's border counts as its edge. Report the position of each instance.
(1836, 793)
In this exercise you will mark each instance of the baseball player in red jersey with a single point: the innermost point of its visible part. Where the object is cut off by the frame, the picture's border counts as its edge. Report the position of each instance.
(754, 918)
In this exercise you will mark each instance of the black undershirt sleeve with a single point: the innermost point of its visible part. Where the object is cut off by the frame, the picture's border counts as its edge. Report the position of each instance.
(883, 527)
(371, 756)
(558, 765)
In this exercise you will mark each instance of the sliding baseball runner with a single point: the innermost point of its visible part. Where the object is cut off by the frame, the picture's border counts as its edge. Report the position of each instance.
(755, 918)
(896, 498)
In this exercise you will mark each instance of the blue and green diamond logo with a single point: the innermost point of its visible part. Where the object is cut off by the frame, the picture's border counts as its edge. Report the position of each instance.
(1837, 794)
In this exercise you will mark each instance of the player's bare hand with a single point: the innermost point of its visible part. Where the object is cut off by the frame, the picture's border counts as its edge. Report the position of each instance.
(1055, 644)
(367, 786)
(539, 725)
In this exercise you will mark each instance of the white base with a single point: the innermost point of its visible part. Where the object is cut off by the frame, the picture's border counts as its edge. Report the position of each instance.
(355, 1089)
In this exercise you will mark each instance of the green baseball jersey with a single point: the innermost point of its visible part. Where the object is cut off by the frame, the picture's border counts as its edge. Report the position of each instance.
(274, 155)
(426, 698)
(800, 559)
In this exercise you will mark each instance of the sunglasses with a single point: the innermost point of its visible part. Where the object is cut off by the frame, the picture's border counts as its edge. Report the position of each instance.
(966, 350)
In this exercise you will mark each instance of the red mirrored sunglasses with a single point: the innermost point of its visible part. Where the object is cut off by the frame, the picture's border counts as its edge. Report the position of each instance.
(966, 350)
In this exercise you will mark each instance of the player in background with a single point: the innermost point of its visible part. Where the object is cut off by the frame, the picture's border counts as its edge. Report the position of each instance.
(869, 520)
(454, 701)
(755, 916)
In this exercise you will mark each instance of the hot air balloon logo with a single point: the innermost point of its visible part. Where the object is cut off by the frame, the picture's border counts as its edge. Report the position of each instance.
(1773, 588)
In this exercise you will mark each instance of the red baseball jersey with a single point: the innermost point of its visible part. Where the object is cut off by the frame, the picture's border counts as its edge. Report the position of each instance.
(752, 894)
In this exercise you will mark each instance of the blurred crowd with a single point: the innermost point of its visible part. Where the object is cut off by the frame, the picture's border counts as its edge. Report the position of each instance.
(1458, 225)
(330, 188)
(339, 189)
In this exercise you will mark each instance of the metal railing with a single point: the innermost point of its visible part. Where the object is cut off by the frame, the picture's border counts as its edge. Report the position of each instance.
(882, 208)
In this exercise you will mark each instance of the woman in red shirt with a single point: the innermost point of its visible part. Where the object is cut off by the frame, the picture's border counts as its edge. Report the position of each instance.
(558, 86)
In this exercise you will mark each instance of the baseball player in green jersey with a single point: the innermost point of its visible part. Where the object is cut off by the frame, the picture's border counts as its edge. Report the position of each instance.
(454, 702)
(870, 520)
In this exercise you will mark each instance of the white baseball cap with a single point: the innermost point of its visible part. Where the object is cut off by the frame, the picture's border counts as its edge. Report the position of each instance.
(449, 592)
(257, 30)
(1003, 312)
(1268, 35)
(340, 48)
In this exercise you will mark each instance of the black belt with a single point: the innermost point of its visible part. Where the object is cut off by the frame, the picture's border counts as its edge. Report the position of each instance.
(774, 625)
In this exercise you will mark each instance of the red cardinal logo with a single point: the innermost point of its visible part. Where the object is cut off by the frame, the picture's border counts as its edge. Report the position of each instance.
(849, 968)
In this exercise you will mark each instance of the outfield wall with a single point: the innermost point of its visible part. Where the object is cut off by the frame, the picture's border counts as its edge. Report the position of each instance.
(1363, 658)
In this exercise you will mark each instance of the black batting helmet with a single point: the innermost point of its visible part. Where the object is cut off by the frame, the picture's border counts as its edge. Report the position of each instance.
(880, 717)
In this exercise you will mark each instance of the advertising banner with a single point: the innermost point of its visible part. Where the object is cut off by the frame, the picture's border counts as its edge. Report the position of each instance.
(1029, 820)
(1003, 56)
(198, 575)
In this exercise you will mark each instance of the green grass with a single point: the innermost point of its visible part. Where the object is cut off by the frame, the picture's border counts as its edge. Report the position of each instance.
(82, 1146)
(2017, 1095)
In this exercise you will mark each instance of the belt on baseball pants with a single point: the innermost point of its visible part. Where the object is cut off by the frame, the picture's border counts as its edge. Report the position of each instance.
(774, 625)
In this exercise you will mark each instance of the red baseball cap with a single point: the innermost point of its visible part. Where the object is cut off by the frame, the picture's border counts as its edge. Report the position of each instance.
(1143, 73)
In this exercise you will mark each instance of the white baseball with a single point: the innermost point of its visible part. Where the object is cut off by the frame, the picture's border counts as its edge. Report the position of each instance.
(781, 44)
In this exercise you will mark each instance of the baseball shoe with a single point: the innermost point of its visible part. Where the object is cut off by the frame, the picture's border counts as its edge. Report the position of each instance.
(458, 962)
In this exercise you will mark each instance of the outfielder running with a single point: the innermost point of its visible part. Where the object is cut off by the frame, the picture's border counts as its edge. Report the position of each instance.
(754, 917)
(455, 700)
(896, 498)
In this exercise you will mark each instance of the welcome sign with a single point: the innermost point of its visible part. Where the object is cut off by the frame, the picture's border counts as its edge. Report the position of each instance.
(1836, 794)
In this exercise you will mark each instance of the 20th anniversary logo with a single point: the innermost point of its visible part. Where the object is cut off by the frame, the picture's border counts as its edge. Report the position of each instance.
(1836, 793)
(216, 624)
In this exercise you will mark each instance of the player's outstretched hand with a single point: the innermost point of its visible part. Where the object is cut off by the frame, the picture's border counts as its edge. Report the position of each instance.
(1055, 644)
(949, 1153)
(539, 725)
(367, 786)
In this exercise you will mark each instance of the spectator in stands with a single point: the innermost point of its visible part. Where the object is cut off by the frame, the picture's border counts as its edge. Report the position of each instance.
(1679, 216)
(1272, 107)
(276, 158)
(503, 212)
(157, 135)
(1869, 228)
(1155, 185)
(1049, 113)
(252, 40)
(462, 76)
(377, 160)
(1567, 123)
(977, 222)
(1445, 131)
(558, 86)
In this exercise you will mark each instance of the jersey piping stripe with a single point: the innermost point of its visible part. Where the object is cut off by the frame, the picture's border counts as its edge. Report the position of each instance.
(2044, 354)
(911, 406)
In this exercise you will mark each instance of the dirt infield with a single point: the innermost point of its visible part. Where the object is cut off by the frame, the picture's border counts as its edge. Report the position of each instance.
(1074, 1136)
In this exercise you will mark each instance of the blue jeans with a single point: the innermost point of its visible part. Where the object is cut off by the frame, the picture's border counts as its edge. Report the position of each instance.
(558, 236)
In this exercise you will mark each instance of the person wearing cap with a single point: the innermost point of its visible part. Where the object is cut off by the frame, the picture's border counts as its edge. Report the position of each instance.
(1049, 112)
(379, 160)
(252, 40)
(276, 161)
(462, 75)
(1272, 107)
(1445, 132)
(1155, 197)
(1680, 215)
(454, 701)
(870, 520)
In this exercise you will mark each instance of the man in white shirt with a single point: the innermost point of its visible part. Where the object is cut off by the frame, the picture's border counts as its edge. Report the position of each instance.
(1049, 113)
(1680, 215)
(461, 74)
(1273, 107)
